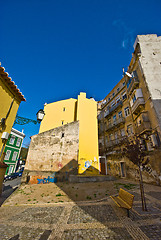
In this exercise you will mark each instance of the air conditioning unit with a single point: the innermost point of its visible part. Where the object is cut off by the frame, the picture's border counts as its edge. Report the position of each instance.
(153, 140)
(5, 135)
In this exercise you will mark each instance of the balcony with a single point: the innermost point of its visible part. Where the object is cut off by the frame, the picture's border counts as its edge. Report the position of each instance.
(144, 127)
(100, 116)
(113, 108)
(115, 123)
(134, 83)
(138, 104)
(115, 142)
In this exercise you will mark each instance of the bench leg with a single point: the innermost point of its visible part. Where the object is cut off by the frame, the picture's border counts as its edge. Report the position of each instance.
(128, 214)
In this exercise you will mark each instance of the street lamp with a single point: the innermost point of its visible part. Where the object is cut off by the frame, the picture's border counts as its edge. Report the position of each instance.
(22, 121)
(40, 115)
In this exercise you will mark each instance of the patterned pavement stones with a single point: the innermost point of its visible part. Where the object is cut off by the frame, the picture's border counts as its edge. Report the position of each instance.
(82, 220)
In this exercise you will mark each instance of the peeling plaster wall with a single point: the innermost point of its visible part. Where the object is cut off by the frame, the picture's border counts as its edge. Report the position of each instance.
(52, 152)
(151, 173)
(150, 62)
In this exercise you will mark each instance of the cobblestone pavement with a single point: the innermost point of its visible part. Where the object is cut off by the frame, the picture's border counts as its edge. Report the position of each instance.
(83, 220)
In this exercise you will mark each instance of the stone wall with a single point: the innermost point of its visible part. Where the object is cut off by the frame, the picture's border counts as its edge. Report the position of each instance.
(53, 152)
(151, 172)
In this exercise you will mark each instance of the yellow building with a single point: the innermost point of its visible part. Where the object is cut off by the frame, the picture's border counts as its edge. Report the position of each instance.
(67, 142)
(85, 111)
(10, 99)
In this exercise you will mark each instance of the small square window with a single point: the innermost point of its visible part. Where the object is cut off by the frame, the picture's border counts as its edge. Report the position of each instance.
(62, 135)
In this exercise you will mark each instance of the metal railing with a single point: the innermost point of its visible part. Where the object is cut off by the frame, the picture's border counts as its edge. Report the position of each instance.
(144, 126)
(139, 101)
(115, 123)
(133, 84)
(115, 142)
(113, 108)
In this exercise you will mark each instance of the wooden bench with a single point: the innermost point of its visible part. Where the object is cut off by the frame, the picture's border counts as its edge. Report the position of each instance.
(124, 200)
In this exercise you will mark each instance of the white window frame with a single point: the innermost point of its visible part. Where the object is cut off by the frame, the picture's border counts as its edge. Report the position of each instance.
(13, 156)
(127, 111)
(12, 137)
(18, 142)
(129, 129)
(120, 114)
(7, 156)
(10, 170)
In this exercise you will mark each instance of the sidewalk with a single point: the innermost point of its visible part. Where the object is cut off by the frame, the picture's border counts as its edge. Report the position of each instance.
(88, 219)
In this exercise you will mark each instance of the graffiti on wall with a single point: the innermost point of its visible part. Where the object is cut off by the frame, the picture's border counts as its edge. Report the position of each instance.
(88, 163)
(49, 179)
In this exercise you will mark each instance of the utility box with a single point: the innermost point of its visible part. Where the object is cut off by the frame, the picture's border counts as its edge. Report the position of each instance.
(5, 135)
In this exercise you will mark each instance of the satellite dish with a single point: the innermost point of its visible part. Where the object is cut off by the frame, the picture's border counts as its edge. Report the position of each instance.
(128, 74)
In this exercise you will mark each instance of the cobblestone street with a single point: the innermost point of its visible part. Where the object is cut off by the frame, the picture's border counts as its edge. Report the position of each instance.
(99, 219)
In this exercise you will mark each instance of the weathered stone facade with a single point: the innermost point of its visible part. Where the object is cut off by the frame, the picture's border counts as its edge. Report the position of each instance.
(53, 152)
(133, 107)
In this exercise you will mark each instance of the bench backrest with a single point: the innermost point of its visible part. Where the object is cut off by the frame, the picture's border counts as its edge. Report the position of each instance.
(126, 197)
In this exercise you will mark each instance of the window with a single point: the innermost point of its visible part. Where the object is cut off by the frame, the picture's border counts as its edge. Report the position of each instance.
(122, 131)
(7, 156)
(62, 122)
(112, 103)
(64, 109)
(123, 83)
(129, 82)
(18, 142)
(62, 135)
(129, 129)
(120, 114)
(109, 99)
(127, 111)
(134, 98)
(14, 156)
(117, 99)
(114, 118)
(10, 169)
(110, 136)
(113, 94)
(118, 89)
(12, 139)
(116, 135)
(124, 96)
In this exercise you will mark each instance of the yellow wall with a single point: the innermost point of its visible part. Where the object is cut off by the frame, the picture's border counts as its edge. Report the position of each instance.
(88, 135)
(6, 97)
(85, 111)
(54, 114)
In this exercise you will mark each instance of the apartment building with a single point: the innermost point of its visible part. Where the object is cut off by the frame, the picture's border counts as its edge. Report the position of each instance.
(134, 107)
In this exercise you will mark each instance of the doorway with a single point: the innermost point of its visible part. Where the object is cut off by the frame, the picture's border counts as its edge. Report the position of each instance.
(123, 174)
(103, 165)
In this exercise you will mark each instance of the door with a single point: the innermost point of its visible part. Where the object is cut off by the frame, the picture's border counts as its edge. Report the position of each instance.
(103, 165)
(122, 169)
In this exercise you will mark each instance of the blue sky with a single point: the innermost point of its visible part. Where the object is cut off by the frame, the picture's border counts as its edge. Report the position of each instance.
(55, 49)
